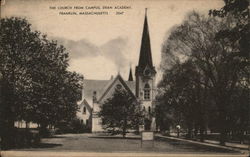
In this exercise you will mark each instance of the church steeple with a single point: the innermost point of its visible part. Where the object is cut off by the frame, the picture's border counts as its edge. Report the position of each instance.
(145, 71)
(145, 52)
(145, 59)
(130, 78)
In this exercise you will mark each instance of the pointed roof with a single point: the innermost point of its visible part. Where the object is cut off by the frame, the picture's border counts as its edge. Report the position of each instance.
(100, 87)
(125, 85)
(86, 104)
(91, 86)
(145, 52)
(130, 78)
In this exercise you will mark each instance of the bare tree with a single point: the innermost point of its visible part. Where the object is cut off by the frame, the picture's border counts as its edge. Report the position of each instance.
(218, 61)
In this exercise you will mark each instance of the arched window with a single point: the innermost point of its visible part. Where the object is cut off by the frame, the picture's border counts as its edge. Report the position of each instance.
(147, 91)
(149, 109)
(84, 110)
(94, 96)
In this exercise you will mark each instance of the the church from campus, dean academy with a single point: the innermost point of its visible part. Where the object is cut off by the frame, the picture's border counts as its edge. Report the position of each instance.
(95, 92)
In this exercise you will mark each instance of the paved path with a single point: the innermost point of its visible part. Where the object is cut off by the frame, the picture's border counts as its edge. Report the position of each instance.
(94, 145)
(229, 144)
(243, 148)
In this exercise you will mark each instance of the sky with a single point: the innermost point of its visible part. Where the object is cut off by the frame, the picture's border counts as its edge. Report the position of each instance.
(103, 45)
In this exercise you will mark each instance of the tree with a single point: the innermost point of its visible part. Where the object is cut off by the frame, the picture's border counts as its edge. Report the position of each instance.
(35, 83)
(163, 112)
(238, 35)
(121, 112)
(219, 66)
(184, 98)
(239, 32)
(17, 43)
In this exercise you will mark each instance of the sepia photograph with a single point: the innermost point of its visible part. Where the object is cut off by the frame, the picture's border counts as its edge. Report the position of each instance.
(124, 78)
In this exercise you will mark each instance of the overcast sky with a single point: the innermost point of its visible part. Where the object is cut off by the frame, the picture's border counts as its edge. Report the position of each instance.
(102, 45)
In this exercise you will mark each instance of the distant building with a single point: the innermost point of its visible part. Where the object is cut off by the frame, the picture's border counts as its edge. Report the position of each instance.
(95, 92)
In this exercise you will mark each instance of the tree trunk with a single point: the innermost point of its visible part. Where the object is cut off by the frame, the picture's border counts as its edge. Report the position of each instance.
(222, 102)
(189, 135)
(223, 136)
(124, 129)
(43, 130)
(7, 116)
(26, 125)
(124, 132)
(223, 131)
(195, 132)
(202, 134)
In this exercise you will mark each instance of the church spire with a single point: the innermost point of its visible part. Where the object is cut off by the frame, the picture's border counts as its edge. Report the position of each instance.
(130, 78)
(145, 52)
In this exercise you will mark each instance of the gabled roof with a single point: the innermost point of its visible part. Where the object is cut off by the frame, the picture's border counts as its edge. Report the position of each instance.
(86, 104)
(89, 86)
(125, 85)
(131, 85)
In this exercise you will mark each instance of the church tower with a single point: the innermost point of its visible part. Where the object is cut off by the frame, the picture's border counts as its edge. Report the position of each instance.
(145, 73)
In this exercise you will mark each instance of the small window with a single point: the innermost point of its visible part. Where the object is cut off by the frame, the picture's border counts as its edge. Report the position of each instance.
(118, 86)
(147, 86)
(94, 96)
(84, 110)
(149, 109)
(147, 91)
(147, 94)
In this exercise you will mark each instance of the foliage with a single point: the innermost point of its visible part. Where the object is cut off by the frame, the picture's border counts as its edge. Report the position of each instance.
(74, 126)
(34, 76)
(203, 74)
(120, 113)
(237, 35)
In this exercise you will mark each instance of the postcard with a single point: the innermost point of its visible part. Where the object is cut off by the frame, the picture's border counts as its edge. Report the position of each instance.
(124, 78)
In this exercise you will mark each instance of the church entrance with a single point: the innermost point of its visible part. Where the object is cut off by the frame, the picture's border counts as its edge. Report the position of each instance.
(147, 124)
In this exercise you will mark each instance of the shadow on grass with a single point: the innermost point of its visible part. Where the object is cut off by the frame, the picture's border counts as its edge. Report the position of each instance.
(115, 137)
(56, 136)
(40, 145)
(46, 145)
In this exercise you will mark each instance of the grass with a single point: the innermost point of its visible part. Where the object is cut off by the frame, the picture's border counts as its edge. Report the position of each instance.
(96, 143)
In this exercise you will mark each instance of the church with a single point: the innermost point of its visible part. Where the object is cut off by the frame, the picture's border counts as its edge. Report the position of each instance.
(143, 88)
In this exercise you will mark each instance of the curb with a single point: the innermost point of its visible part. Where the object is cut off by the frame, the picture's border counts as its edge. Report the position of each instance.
(207, 144)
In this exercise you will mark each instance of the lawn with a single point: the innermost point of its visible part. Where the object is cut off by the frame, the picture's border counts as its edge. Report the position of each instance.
(98, 143)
